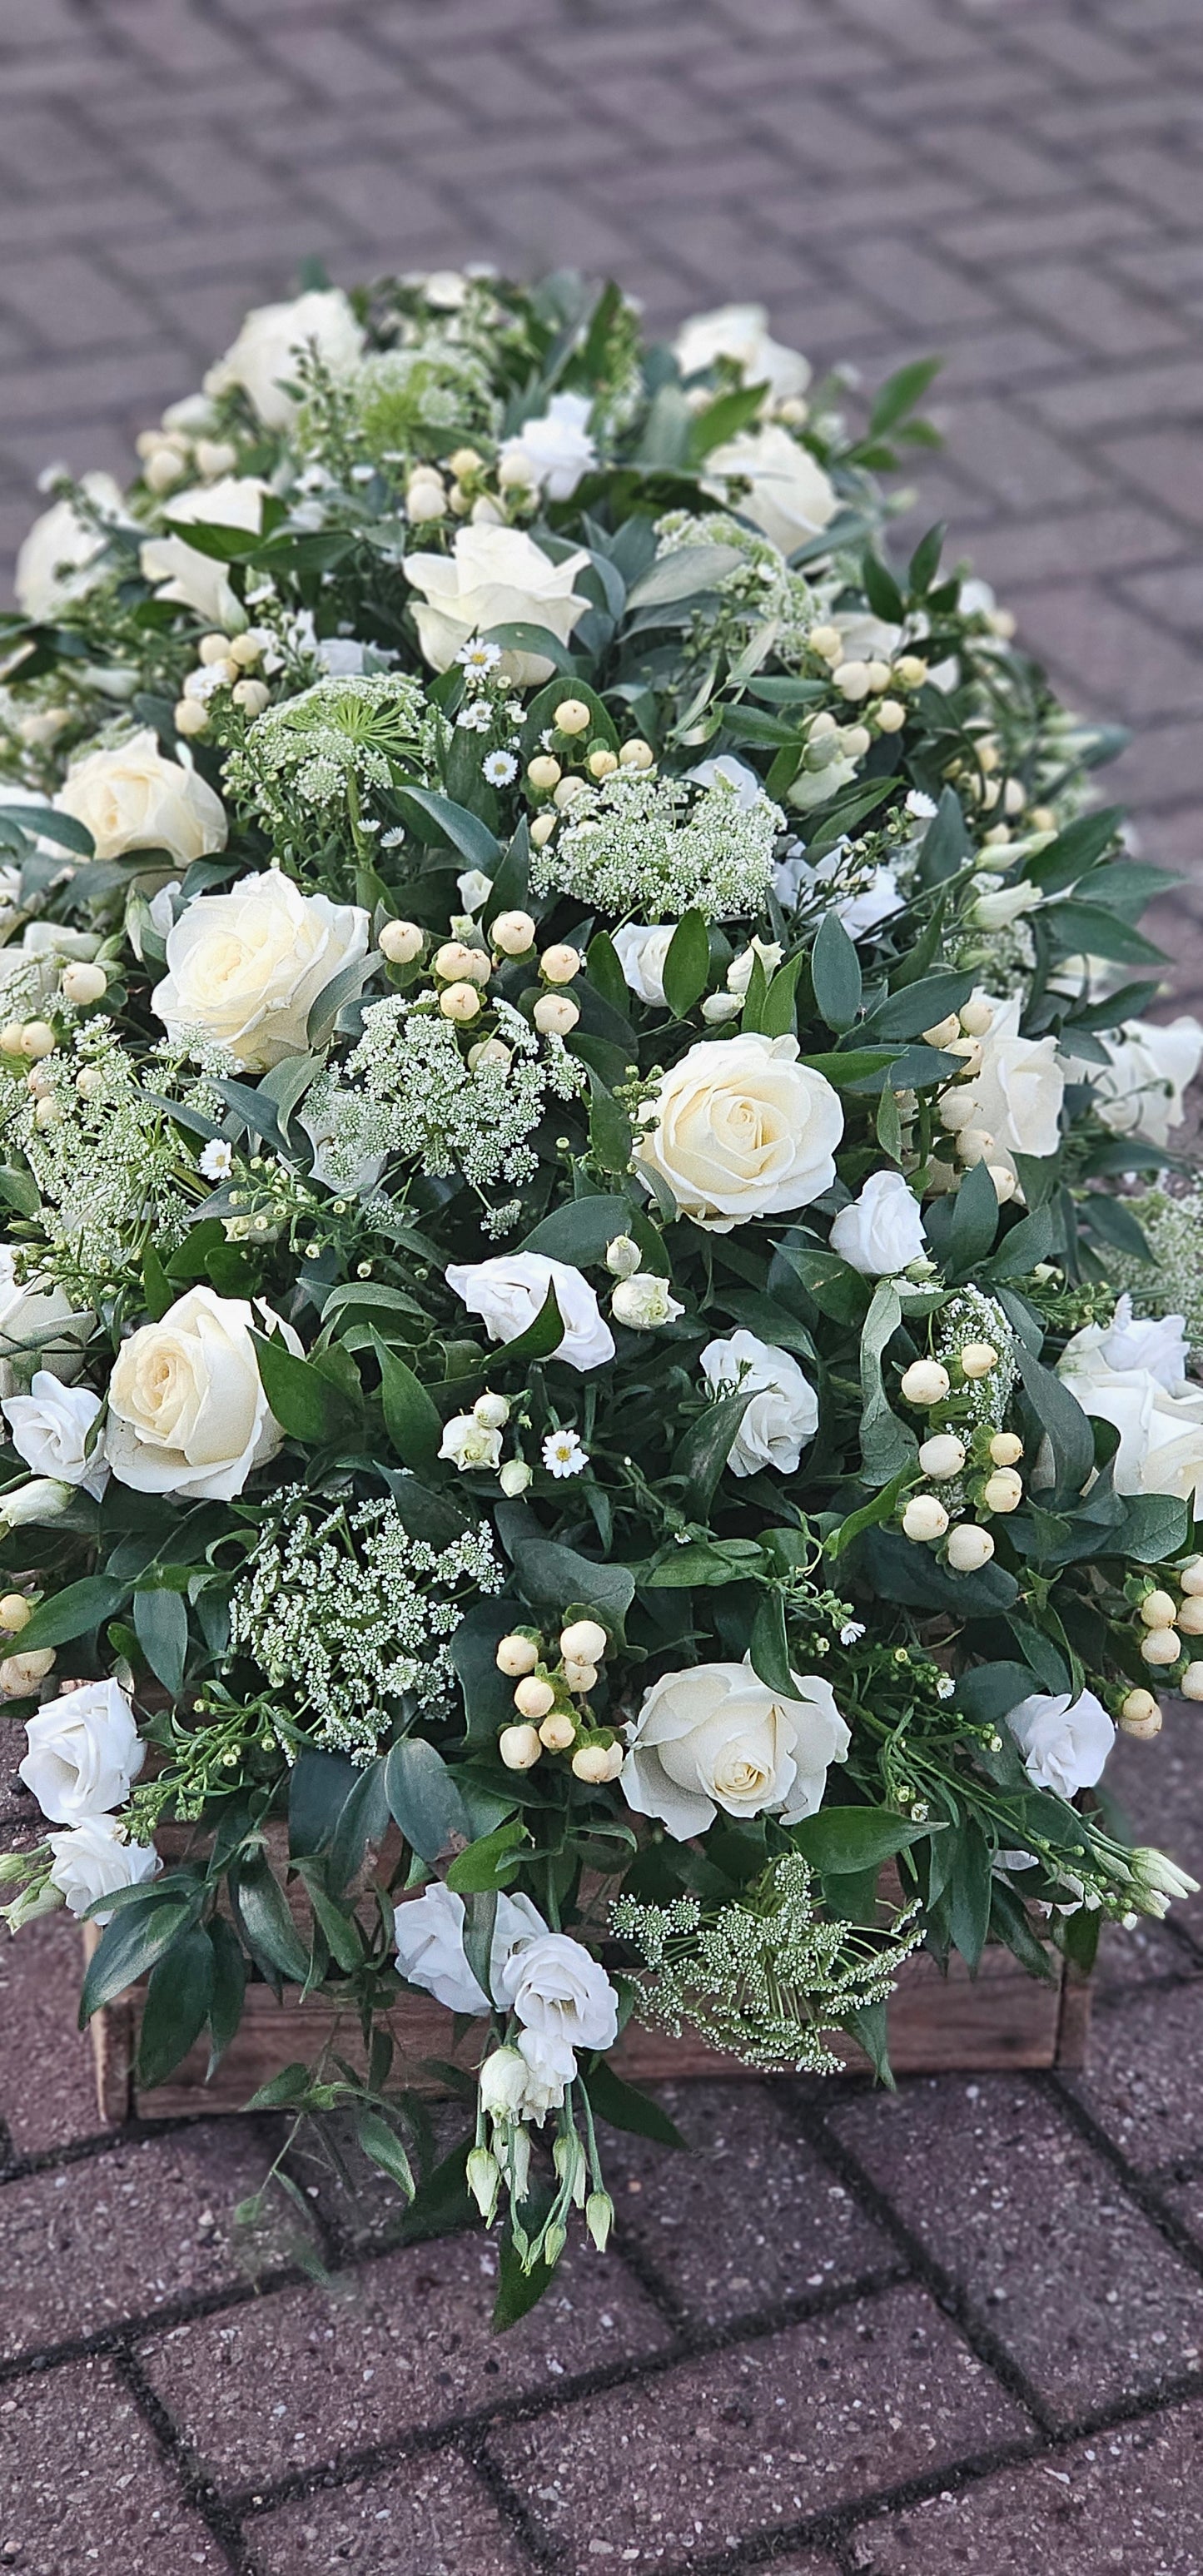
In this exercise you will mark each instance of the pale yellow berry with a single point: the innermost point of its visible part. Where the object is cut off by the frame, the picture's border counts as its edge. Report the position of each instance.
(213, 648)
(534, 1697)
(10, 1038)
(251, 695)
(942, 1456)
(891, 716)
(558, 1731)
(598, 1763)
(975, 1145)
(543, 772)
(83, 983)
(519, 1747)
(584, 1641)
(977, 1359)
(1005, 1183)
(47, 1114)
(572, 716)
(555, 1015)
(1190, 1579)
(827, 641)
(164, 468)
(461, 1003)
(969, 1548)
(1006, 1448)
(942, 1032)
(925, 1382)
(464, 460)
(542, 828)
(456, 963)
(637, 754)
(879, 675)
(189, 716)
(1160, 1646)
(1003, 1491)
(1191, 1684)
(910, 671)
(513, 933)
(488, 1051)
(976, 1018)
(22, 1673)
(852, 679)
(401, 942)
(855, 741)
(924, 1517)
(1140, 1715)
(579, 1677)
(37, 1038)
(15, 1612)
(516, 1656)
(560, 964)
(602, 763)
(247, 649)
(1190, 1617)
(1159, 1610)
(425, 501)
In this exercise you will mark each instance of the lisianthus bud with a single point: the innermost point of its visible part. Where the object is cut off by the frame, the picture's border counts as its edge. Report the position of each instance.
(534, 1698)
(401, 942)
(623, 1257)
(644, 1302)
(584, 1641)
(924, 1517)
(925, 1382)
(513, 933)
(519, 1747)
(969, 1547)
(599, 2218)
(492, 1410)
(42, 1499)
(503, 2080)
(1158, 1610)
(517, 1655)
(484, 2181)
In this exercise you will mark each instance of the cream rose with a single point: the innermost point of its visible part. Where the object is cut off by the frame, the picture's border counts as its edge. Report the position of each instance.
(743, 1130)
(789, 497)
(510, 1292)
(1130, 1373)
(247, 967)
(716, 1736)
(783, 1413)
(882, 1230)
(180, 571)
(133, 799)
(263, 357)
(60, 558)
(187, 1410)
(494, 577)
(84, 1751)
(1016, 1095)
(95, 1858)
(740, 332)
(39, 1328)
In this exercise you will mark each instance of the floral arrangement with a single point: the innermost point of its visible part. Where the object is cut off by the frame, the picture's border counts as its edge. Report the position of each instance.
(573, 1092)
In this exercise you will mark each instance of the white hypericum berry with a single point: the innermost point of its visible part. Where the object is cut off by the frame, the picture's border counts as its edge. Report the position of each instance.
(925, 1382)
(1159, 1610)
(542, 828)
(598, 1763)
(1190, 1577)
(15, 1613)
(543, 772)
(251, 695)
(943, 1455)
(637, 754)
(534, 1697)
(942, 1033)
(460, 1002)
(852, 679)
(1191, 1684)
(969, 1548)
(560, 963)
(578, 1677)
(519, 1747)
(1140, 1715)
(1006, 1449)
(456, 963)
(602, 763)
(572, 716)
(1160, 1646)
(555, 1015)
(584, 1641)
(558, 1731)
(189, 717)
(1190, 1617)
(401, 942)
(977, 1359)
(517, 1655)
(83, 983)
(976, 1018)
(924, 1518)
(513, 933)
(1003, 1491)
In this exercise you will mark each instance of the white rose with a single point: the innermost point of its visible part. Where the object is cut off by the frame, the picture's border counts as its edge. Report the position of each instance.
(557, 447)
(246, 967)
(133, 799)
(740, 332)
(49, 1427)
(494, 577)
(84, 1751)
(783, 1413)
(882, 1230)
(641, 954)
(95, 1858)
(265, 352)
(1064, 1741)
(429, 1933)
(39, 1328)
(1140, 1093)
(716, 1736)
(867, 638)
(1128, 1373)
(1017, 1093)
(790, 499)
(743, 1130)
(180, 571)
(509, 1293)
(187, 1410)
(559, 1993)
(59, 559)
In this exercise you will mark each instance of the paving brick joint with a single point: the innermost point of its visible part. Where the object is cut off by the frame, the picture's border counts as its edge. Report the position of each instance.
(852, 2335)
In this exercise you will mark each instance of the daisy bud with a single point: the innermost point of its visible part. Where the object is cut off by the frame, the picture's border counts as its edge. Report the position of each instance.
(977, 1359)
(1190, 1577)
(251, 695)
(925, 1382)
(572, 716)
(637, 754)
(942, 1032)
(1006, 1448)
(1160, 1646)
(924, 1518)
(943, 1455)
(598, 1763)
(969, 1548)
(558, 1732)
(602, 763)
(189, 717)
(578, 1677)
(561, 963)
(1140, 1715)
(82, 983)
(460, 1002)
(519, 1747)
(976, 1018)
(492, 1410)
(1191, 1684)
(644, 1302)
(584, 1641)
(534, 1698)
(542, 828)
(513, 933)
(1003, 1491)
(15, 1612)
(514, 1477)
(555, 1015)
(544, 773)
(1158, 1610)
(517, 1655)
(401, 942)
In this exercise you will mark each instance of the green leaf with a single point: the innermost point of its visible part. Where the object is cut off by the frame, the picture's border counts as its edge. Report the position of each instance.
(604, 970)
(626, 2108)
(542, 1339)
(886, 1444)
(344, 987)
(769, 1647)
(968, 1893)
(383, 2145)
(490, 1862)
(829, 823)
(879, 1508)
(925, 561)
(722, 419)
(228, 1989)
(1154, 1527)
(881, 590)
(265, 1916)
(362, 1821)
(178, 1997)
(1075, 851)
(522, 635)
(138, 1935)
(611, 1137)
(867, 2025)
(843, 1840)
(72, 1612)
(161, 1628)
(579, 1231)
(974, 1221)
(464, 830)
(704, 1561)
(319, 1785)
(43, 823)
(946, 842)
(488, 1696)
(903, 1571)
(682, 575)
(778, 1011)
(156, 1286)
(1062, 1417)
(1098, 933)
(835, 974)
(551, 1576)
(519, 2288)
(916, 1007)
(702, 1454)
(423, 1798)
(411, 1417)
(335, 1920)
(686, 969)
(303, 1401)
(900, 393)
(991, 1691)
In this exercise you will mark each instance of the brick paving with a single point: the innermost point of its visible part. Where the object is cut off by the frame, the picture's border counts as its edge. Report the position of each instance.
(851, 2336)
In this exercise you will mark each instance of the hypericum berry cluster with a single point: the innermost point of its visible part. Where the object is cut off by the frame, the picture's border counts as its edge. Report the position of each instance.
(968, 1451)
(1164, 1624)
(549, 1695)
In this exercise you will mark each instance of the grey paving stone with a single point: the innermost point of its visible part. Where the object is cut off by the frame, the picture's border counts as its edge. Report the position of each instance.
(1131, 2498)
(83, 2483)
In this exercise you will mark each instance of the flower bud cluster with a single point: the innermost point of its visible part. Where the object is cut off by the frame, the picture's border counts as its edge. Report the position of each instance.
(223, 662)
(966, 1453)
(547, 1683)
(1167, 1625)
(575, 756)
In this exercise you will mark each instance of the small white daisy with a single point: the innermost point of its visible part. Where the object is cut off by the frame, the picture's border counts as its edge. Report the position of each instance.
(478, 656)
(920, 806)
(393, 840)
(476, 717)
(217, 1160)
(563, 1454)
(945, 1686)
(499, 767)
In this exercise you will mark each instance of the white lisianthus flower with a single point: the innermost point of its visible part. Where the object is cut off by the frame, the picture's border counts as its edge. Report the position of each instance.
(59, 559)
(641, 954)
(429, 1933)
(187, 1410)
(180, 571)
(263, 357)
(743, 1130)
(494, 577)
(246, 967)
(727, 771)
(784, 1412)
(996, 911)
(644, 1302)
(33, 1506)
(558, 1992)
(1064, 1741)
(1140, 1093)
(84, 1752)
(882, 1230)
(49, 1428)
(795, 880)
(739, 972)
(550, 2068)
(1128, 1373)
(469, 1443)
(740, 332)
(556, 448)
(39, 1328)
(790, 498)
(716, 1736)
(96, 1858)
(133, 799)
(509, 1292)
(1018, 1091)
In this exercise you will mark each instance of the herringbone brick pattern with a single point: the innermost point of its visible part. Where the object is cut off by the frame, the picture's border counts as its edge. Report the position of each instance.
(959, 2330)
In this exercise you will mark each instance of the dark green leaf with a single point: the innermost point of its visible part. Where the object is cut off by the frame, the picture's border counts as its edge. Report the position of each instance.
(129, 1946)
(228, 1989)
(604, 970)
(518, 2289)
(361, 1826)
(1074, 851)
(178, 1997)
(900, 393)
(423, 1798)
(490, 1862)
(686, 968)
(881, 590)
(916, 1007)
(303, 1401)
(384, 2147)
(925, 561)
(974, 1221)
(465, 831)
(1154, 1527)
(264, 1913)
(579, 1231)
(344, 987)
(769, 1647)
(703, 1453)
(411, 1417)
(72, 1612)
(682, 575)
(319, 1785)
(835, 974)
(968, 1893)
(626, 2108)
(843, 1839)
(522, 635)
(161, 1628)
(1062, 1418)
(49, 825)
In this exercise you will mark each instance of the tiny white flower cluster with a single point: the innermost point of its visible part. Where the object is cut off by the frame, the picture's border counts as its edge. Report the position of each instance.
(660, 847)
(408, 1088)
(105, 1156)
(342, 738)
(344, 1611)
(761, 589)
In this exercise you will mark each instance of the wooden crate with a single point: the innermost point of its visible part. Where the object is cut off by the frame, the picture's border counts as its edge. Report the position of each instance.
(938, 2025)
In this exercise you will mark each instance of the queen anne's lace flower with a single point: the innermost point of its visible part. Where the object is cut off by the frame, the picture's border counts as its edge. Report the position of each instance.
(408, 1089)
(660, 847)
(344, 736)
